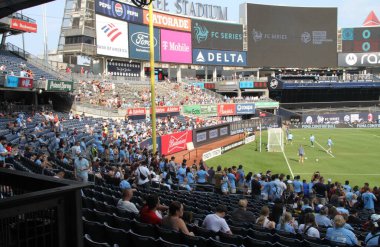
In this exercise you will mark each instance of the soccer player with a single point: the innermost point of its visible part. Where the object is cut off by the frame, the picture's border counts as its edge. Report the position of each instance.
(301, 154)
(290, 138)
(329, 145)
(312, 139)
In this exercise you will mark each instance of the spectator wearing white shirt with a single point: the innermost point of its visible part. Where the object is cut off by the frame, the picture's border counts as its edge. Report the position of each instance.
(310, 226)
(216, 222)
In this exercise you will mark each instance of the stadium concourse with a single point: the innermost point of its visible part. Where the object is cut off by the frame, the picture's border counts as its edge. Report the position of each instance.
(142, 199)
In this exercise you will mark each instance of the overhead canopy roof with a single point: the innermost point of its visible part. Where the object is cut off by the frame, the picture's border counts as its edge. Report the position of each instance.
(8, 7)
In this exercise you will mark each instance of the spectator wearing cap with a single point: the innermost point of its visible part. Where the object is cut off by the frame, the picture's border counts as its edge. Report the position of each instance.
(125, 202)
(373, 238)
(216, 222)
(241, 214)
(321, 219)
(81, 168)
(369, 200)
(340, 234)
(3, 150)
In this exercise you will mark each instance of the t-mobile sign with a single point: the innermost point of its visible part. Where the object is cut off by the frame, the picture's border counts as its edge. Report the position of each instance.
(175, 47)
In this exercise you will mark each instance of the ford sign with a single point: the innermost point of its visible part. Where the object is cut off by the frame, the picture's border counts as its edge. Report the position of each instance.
(141, 39)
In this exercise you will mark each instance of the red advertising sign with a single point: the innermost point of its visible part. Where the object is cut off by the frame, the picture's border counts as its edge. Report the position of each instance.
(23, 26)
(167, 109)
(226, 110)
(136, 111)
(25, 82)
(174, 143)
(169, 21)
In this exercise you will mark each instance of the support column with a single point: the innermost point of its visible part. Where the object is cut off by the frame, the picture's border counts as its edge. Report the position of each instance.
(258, 74)
(206, 73)
(239, 92)
(215, 74)
(179, 74)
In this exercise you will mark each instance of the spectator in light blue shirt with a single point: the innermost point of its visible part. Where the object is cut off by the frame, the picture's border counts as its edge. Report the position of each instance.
(232, 180)
(341, 234)
(346, 186)
(190, 176)
(369, 200)
(321, 219)
(286, 223)
(297, 185)
(3, 150)
(181, 173)
(202, 176)
(373, 238)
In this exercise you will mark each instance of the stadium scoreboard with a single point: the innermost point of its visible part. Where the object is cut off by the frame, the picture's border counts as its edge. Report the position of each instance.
(361, 40)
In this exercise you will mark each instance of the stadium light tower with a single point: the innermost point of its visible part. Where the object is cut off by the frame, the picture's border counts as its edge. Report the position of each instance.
(143, 3)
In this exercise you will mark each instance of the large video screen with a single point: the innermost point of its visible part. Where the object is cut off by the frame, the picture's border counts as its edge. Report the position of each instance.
(217, 35)
(361, 39)
(291, 36)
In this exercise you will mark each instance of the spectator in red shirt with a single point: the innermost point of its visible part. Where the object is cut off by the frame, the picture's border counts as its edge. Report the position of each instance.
(148, 213)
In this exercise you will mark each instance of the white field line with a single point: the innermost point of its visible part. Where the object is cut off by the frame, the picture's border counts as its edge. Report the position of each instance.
(324, 149)
(287, 162)
(343, 174)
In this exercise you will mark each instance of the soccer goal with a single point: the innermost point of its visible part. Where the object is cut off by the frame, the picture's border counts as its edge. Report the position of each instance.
(275, 140)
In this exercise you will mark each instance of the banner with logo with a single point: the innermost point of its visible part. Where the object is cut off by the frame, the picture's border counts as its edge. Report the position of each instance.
(244, 109)
(25, 82)
(208, 109)
(122, 68)
(192, 109)
(169, 21)
(359, 59)
(210, 134)
(23, 25)
(141, 111)
(139, 46)
(148, 144)
(175, 47)
(217, 57)
(226, 110)
(167, 109)
(344, 117)
(56, 85)
(11, 81)
(176, 142)
(263, 105)
(211, 154)
(246, 84)
(274, 84)
(119, 11)
(217, 35)
(200, 85)
(111, 37)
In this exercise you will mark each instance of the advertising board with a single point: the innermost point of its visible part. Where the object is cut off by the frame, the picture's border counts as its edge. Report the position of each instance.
(11, 81)
(361, 39)
(148, 144)
(226, 110)
(25, 82)
(122, 68)
(245, 109)
(359, 59)
(217, 35)
(218, 57)
(209, 134)
(246, 84)
(292, 37)
(111, 37)
(176, 142)
(169, 21)
(343, 117)
(139, 47)
(119, 11)
(175, 47)
(23, 25)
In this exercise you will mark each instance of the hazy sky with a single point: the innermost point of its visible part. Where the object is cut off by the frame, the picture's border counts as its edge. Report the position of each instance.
(351, 13)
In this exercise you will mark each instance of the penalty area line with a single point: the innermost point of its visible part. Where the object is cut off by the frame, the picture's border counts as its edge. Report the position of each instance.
(325, 149)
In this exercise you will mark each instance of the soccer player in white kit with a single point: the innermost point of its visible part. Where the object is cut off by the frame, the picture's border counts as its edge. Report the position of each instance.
(312, 139)
(329, 145)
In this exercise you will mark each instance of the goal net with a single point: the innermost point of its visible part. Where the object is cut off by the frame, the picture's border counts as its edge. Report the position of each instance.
(275, 140)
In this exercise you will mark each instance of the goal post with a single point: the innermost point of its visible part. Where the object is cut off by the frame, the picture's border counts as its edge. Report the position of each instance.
(275, 140)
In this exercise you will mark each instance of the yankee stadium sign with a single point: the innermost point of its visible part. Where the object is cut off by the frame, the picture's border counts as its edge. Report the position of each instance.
(189, 8)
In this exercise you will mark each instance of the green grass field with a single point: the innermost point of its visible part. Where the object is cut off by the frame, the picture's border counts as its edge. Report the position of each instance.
(355, 156)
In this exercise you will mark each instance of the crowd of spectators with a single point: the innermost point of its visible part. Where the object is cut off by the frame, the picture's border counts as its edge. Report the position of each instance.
(110, 151)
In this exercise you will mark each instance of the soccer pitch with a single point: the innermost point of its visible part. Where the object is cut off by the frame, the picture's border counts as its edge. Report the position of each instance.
(355, 156)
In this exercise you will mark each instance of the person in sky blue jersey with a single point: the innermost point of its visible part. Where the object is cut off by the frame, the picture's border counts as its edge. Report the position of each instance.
(341, 234)
(312, 140)
(290, 138)
(329, 145)
(369, 200)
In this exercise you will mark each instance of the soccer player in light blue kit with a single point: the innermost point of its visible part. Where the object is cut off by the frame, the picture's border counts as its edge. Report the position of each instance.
(312, 139)
(329, 145)
(290, 138)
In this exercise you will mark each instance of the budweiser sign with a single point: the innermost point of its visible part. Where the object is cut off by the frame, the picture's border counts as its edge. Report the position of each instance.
(136, 111)
(176, 142)
(226, 110)
(23, 26)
